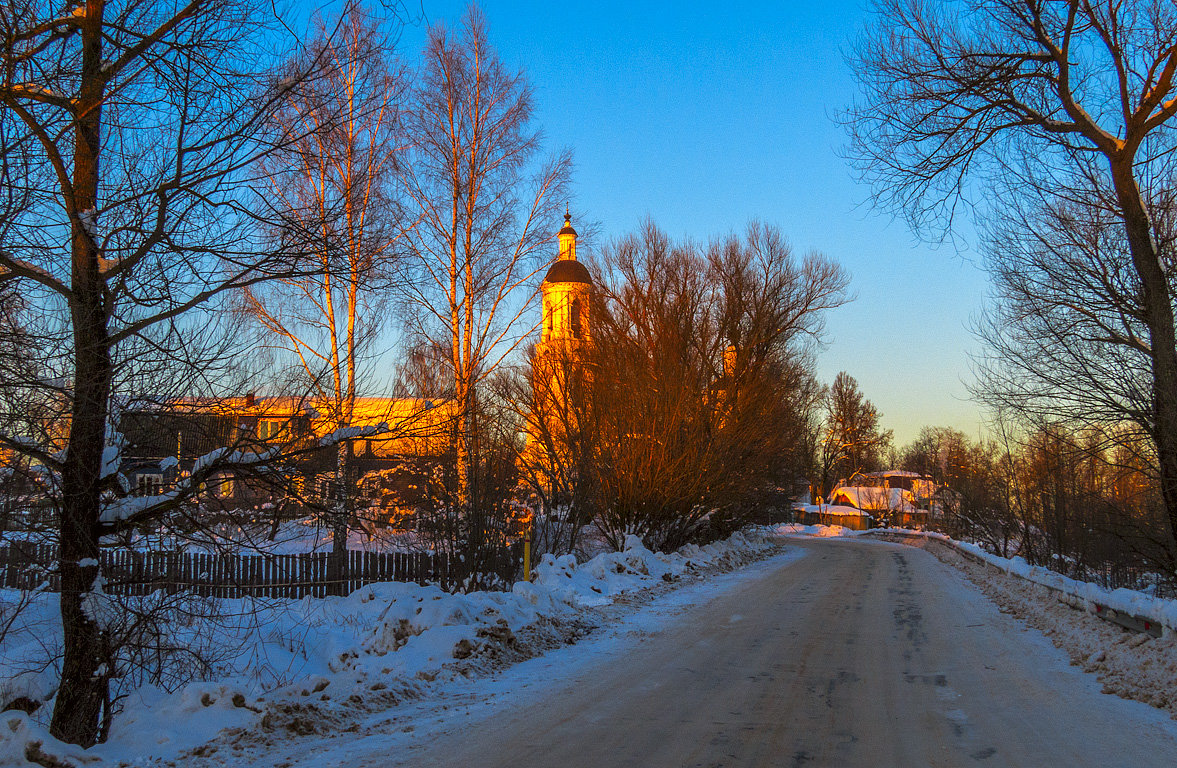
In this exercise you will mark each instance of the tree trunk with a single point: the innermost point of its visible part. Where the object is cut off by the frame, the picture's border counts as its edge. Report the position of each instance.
(1158, 306)
(341, 513)
(76, 714)
(82, 690)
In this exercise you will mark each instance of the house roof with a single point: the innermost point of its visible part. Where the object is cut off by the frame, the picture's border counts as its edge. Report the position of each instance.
(193, 427)
(872, 498)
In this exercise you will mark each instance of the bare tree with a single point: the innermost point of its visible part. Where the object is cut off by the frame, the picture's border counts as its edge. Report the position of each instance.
(771, 308)
(852, 439)
(1081, 501)
(341, 201)
(700, 372)
(940, 453)
(652, 372)
(971, 498)
(552, 397)
(1059, 91)
(132, 130)
(484, 203)
(1066, 335)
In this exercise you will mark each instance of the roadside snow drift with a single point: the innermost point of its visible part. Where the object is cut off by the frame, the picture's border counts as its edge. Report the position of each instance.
(1132, 666)
(1161, 611)
(306, 666)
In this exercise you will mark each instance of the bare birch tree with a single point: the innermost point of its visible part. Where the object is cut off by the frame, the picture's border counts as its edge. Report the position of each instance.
(132, 129)
(484, 205)
(341, 201)
(1058, 91)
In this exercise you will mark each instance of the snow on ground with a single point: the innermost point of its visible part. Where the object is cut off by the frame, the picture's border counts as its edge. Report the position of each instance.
(291, 537)
(1161, 610)
(631, 619)
(833, 510)
(1132, 666)
(821, 531)
(288, 668)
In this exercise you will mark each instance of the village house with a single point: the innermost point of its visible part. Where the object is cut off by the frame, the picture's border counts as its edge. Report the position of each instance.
(389, 438)
(895, 497)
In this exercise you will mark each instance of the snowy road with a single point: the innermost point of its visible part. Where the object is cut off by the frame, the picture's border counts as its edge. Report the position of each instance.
(857, 654)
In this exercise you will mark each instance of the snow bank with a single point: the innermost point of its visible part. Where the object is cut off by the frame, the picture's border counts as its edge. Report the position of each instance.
(1156, 609)
(612, 573)
(304, 666)
(821, 531)
(24, 742)
(1133, 666)
(832, 510)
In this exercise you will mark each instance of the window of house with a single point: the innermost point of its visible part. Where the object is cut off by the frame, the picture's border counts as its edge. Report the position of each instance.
(148, 485)
(326, 489)
(268, 429)
(223, 486)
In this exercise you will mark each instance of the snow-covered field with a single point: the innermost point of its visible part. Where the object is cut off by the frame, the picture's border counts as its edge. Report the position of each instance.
(297, 667)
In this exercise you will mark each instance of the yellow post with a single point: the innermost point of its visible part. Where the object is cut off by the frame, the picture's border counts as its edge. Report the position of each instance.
(527, 548)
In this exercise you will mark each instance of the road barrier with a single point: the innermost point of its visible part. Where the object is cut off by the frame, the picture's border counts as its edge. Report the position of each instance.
(1155, 623)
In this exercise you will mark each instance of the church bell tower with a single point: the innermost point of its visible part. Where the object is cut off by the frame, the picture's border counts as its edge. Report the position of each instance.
(559, 365)
(567, 290)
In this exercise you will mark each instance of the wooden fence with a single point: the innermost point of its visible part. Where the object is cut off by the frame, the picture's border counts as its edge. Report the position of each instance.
(127, 572)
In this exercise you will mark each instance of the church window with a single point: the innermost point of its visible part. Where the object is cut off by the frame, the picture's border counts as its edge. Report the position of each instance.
(576, 318)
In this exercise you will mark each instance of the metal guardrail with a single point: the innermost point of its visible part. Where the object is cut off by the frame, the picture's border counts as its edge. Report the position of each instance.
(1133, 623)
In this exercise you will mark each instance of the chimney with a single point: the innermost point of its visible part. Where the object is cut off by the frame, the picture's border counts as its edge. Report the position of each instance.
(250, 400)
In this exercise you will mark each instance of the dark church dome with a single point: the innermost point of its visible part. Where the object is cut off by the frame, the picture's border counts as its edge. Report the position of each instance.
(568, 271)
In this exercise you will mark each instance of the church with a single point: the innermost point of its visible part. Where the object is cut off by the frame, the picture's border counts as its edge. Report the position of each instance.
(560, 367)
(567, 291)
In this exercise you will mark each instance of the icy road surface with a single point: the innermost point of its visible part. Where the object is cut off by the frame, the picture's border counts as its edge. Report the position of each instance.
(856, 654)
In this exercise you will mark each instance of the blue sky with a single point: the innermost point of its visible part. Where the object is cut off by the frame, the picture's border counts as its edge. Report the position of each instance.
(706, 115)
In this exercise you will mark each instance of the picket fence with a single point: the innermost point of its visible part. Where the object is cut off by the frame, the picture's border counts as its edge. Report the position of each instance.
(127, 572)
